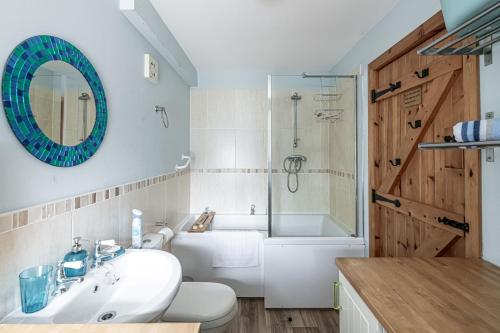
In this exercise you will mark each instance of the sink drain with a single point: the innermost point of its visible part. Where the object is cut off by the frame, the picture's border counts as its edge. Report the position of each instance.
(107, 316)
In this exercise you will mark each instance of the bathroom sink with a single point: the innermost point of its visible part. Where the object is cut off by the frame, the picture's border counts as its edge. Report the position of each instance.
(136, 287)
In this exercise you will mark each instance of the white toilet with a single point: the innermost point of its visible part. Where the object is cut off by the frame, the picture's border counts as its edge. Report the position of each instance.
(214, 305)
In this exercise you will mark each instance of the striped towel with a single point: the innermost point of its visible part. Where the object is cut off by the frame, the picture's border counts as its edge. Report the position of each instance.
(477, 130)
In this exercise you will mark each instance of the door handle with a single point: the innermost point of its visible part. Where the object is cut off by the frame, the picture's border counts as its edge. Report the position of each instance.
(336, 296)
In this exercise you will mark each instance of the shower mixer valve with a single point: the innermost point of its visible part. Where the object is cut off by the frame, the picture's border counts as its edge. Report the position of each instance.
(292, 166)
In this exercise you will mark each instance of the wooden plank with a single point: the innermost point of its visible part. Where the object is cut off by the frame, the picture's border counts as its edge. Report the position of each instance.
(401, 234)
(427, 295)
(435, 244)
(103, 328)
(373, 162)
(439, 89)
(202, 223)
(426, 213)
(410, 80)
(472, 161)
(431, 27)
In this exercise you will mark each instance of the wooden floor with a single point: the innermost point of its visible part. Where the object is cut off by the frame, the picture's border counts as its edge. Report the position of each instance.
(254, 318)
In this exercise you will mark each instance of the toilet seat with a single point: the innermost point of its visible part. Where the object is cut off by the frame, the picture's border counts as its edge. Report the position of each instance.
(211, 304)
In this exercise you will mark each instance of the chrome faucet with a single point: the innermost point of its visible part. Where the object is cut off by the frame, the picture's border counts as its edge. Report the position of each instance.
(97, 254)
(252, 209)
(100, 254)
(62, 282)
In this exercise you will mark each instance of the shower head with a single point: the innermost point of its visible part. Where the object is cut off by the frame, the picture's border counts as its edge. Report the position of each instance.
(84, 97)
(296, 97)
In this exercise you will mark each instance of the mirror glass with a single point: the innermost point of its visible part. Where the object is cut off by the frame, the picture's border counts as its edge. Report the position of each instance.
(62, 103)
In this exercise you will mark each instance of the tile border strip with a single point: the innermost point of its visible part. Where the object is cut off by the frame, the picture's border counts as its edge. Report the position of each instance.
(338, 173)
(38, 213)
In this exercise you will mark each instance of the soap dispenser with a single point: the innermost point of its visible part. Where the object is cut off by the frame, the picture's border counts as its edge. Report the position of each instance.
(75, 262)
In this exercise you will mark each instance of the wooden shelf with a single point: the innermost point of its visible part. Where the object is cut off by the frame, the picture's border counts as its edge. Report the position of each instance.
(459, 145)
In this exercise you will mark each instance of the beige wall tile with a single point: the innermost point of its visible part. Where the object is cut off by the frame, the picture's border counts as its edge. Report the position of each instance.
(220, 149)
(132, 200)
(99, 221)
(198, 148)
(183, 198)
(5, 222)
(220, 108)
(34, 214)
(251, 188)
(251, 149)
(22, 218)
(198, 108)
(214, 190)
(250, 109)
(35, 244)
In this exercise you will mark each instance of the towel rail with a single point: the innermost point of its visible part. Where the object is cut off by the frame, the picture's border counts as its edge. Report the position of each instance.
(182, 167)
(459, 145)
(483, 29)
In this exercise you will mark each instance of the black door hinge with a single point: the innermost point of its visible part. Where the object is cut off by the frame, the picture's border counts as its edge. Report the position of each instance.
(454, 224)
(377, 197)
(392, 87)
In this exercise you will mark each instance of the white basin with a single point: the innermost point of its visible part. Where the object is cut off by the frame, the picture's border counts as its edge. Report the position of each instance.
(148, 281)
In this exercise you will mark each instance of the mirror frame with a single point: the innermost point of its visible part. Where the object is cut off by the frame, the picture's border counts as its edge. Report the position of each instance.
(19, 70)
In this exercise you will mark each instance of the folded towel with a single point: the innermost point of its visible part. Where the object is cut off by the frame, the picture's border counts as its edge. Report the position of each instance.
(477, 130)
(236, 248)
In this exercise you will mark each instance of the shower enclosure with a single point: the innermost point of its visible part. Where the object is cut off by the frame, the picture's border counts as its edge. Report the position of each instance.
(312, 177)
(312, 153)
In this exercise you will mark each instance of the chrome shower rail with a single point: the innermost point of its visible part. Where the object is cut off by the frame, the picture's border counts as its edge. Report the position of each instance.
(307, 76)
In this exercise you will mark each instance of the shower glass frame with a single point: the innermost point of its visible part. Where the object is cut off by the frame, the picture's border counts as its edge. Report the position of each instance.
(359, 227)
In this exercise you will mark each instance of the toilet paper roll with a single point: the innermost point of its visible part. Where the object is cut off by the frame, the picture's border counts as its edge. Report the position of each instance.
(167, 233)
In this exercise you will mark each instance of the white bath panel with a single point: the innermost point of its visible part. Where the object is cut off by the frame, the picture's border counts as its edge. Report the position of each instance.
(299, 273)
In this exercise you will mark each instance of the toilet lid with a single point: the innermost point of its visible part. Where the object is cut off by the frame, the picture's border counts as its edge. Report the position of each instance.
(211, 304)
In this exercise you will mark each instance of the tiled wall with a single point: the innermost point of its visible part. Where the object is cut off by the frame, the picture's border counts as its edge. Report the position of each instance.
(228, 146)
(314, 193)
(42, 234)
(229, 150)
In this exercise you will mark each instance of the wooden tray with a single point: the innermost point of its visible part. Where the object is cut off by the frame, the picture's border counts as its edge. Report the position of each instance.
(202, 223)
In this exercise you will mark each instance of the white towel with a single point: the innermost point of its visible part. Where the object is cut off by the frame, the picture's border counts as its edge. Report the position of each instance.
(236, 248)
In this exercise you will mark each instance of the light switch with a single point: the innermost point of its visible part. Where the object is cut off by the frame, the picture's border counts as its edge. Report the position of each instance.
(151, 69)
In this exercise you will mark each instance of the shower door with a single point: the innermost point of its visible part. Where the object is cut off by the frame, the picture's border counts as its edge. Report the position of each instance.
(312, 156)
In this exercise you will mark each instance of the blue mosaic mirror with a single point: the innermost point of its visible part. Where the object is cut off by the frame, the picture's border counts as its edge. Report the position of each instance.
(54, 101)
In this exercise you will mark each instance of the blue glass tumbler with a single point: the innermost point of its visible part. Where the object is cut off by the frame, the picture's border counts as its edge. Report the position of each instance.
(35, 285)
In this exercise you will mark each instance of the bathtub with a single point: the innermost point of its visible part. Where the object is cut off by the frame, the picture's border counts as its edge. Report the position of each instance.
(296, 266)
(194, 251)
(299, 260)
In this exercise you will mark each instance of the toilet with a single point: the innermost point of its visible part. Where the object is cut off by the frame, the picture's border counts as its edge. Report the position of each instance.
(214, 305)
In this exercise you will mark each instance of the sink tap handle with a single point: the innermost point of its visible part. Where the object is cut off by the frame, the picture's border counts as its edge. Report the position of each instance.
(97, 253)
(60, 275)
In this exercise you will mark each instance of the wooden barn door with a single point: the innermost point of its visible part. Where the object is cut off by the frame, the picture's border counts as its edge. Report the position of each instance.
(424, 203)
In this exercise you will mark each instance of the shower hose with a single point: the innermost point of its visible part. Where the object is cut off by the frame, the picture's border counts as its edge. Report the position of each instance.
(292, 165)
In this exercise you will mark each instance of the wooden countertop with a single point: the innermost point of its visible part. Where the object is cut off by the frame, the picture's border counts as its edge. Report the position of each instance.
(428, 295)
(103, 328)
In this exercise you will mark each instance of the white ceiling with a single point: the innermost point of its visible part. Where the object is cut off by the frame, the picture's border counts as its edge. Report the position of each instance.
(285, 36)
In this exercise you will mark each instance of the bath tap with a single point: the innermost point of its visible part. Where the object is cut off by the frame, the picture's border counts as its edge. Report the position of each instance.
(62, 282)
(252, 209)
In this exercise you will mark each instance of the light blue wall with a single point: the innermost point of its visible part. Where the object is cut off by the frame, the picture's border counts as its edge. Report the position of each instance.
(490, 102)
(405, 17)
(233, 79)
(136, 145)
